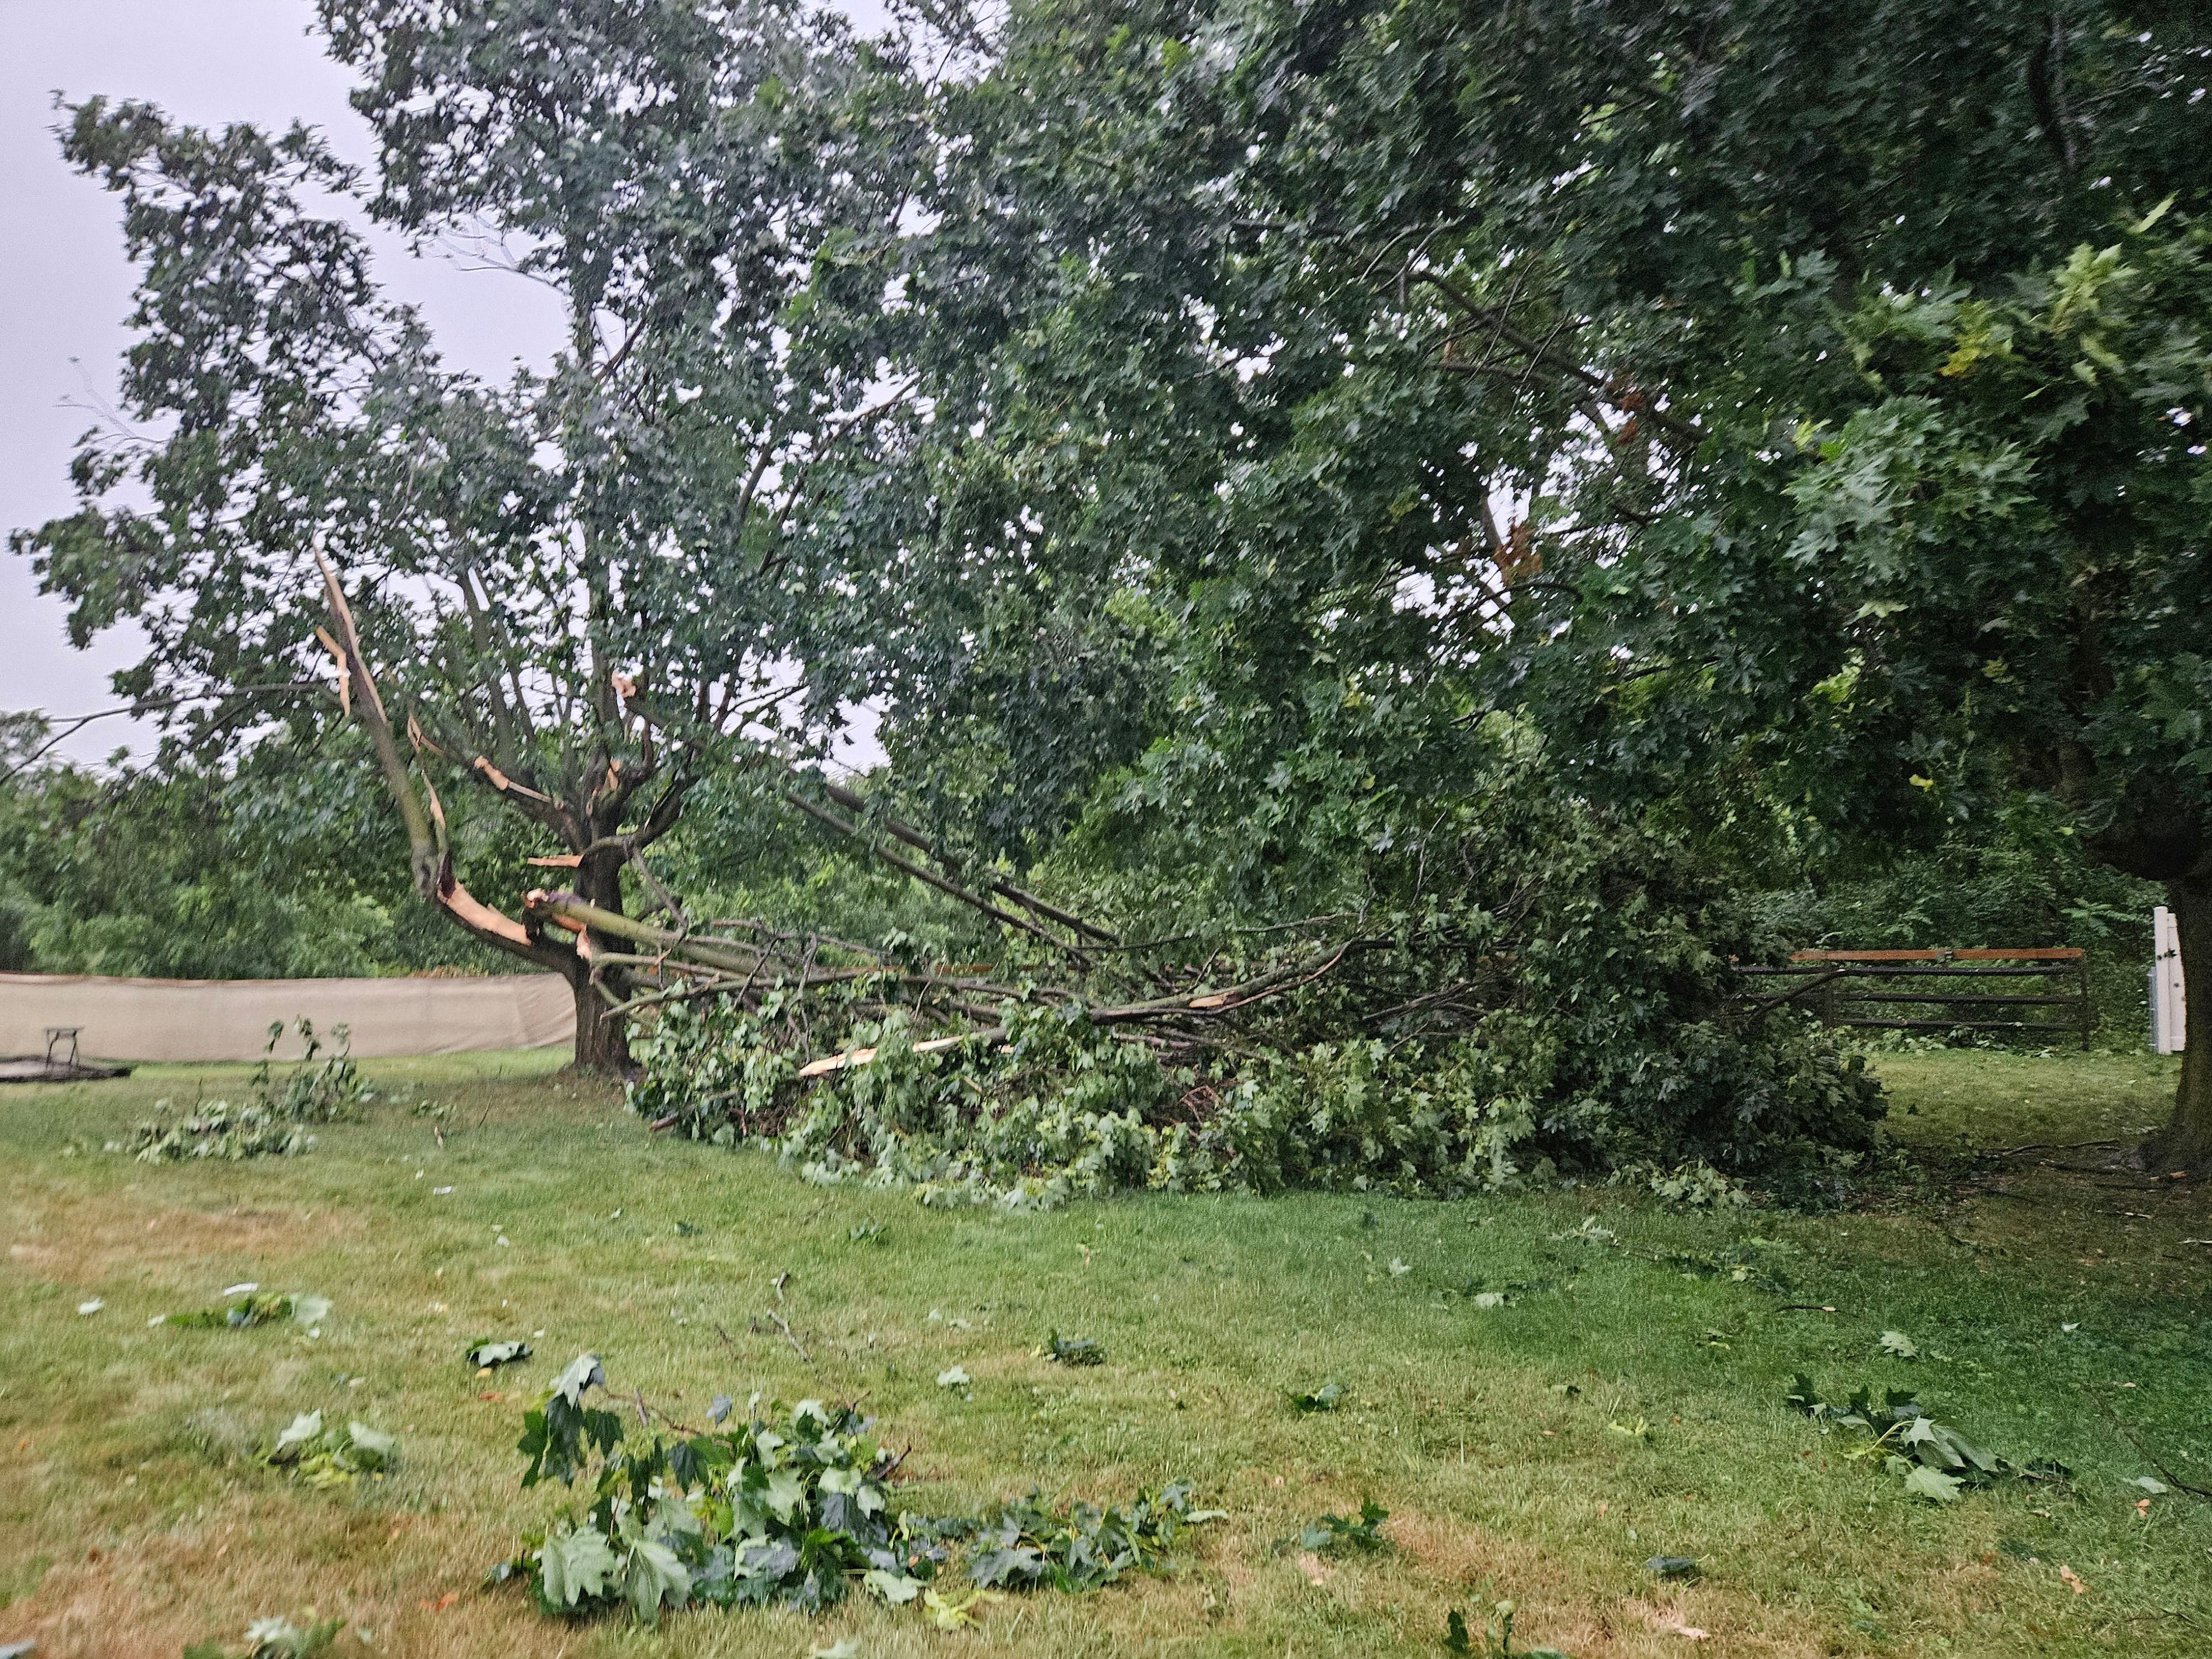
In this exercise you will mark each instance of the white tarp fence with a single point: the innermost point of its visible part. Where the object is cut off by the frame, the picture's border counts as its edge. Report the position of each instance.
(202, 1019)
(2169, 1031)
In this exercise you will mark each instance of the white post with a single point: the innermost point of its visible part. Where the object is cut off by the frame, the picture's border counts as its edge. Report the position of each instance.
(2169, 1030)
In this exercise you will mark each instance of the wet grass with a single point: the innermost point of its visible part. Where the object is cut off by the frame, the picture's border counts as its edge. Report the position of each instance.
(2057, 1304)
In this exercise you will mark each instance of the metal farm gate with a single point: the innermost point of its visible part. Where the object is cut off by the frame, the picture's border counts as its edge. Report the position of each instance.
(1910, 990)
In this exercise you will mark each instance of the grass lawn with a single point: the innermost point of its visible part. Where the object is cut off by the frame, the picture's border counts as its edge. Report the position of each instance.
(2053, 1300)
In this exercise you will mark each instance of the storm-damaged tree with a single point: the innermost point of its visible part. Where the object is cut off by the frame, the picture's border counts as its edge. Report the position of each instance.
(565, 592)
(1795, 414)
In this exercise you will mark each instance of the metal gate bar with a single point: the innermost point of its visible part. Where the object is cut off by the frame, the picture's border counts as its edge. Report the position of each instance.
(1830, 995)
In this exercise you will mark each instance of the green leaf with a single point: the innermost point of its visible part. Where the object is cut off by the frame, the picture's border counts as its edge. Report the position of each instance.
(1898, 1343)
(1932, 1484)
(582, 1373)
(657, 1578)
(957, 1612)
(487, 1355)
(1074, 1350)
(1333, 1535)
(577, 1566)
(786, 1495)
(894, 1588)
(279, 1638)
(303, 1432)
(371, 1443)
(310, 1311)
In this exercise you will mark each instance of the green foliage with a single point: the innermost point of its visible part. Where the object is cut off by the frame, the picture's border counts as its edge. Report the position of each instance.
(1565, 1008)
(281, 866)
(1073, 1350)
(1551, 1081)
(316, 1090)
(1340, 1535)
(1761, 1262)
(717, 1067)
(2021, 878)
(217, 1130)
(1345, 379)
(1326, 1398)
(259, 1307)
(1080, 1546)
(322, 1457)
(792, 1509)
(1934, 1459)
(488, 1354)
(1825, 472)
(577, 585)
(1496, 1638)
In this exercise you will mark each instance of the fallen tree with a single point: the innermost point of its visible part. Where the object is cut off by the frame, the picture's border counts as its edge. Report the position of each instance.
(1569, 1009)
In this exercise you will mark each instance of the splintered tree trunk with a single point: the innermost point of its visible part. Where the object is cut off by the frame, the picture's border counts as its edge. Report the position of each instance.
(2186, 1142)
(602, 1034)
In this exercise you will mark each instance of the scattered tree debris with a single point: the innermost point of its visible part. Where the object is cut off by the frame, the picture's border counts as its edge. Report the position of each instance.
(792, 1509)
(1934, 1459)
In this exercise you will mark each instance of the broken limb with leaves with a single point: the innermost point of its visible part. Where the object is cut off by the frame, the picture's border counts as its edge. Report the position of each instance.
(1438, 1046)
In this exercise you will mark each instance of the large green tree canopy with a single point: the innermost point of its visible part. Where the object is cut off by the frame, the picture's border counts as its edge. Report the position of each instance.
(1793, 411)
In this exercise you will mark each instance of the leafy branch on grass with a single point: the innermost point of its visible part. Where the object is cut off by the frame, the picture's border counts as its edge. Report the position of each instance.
(259, 1307)
(1754, 1262)
(1372, 1047)
(1073, 1350)
(1326, 1398)
(1935, 1460)
(791, 1508)
(324, 1457)
(1340, 1535)
(274, 1123)
(1082, 1547)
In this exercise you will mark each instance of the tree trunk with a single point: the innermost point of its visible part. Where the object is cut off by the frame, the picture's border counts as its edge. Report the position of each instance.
(602, 1034)
(2186, 1142)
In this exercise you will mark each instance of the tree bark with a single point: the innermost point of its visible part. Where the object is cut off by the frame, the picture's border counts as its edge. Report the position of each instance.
(602, 1034)
(2186, 1143)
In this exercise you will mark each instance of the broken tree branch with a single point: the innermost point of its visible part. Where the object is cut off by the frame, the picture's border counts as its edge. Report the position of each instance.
(430, 864)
